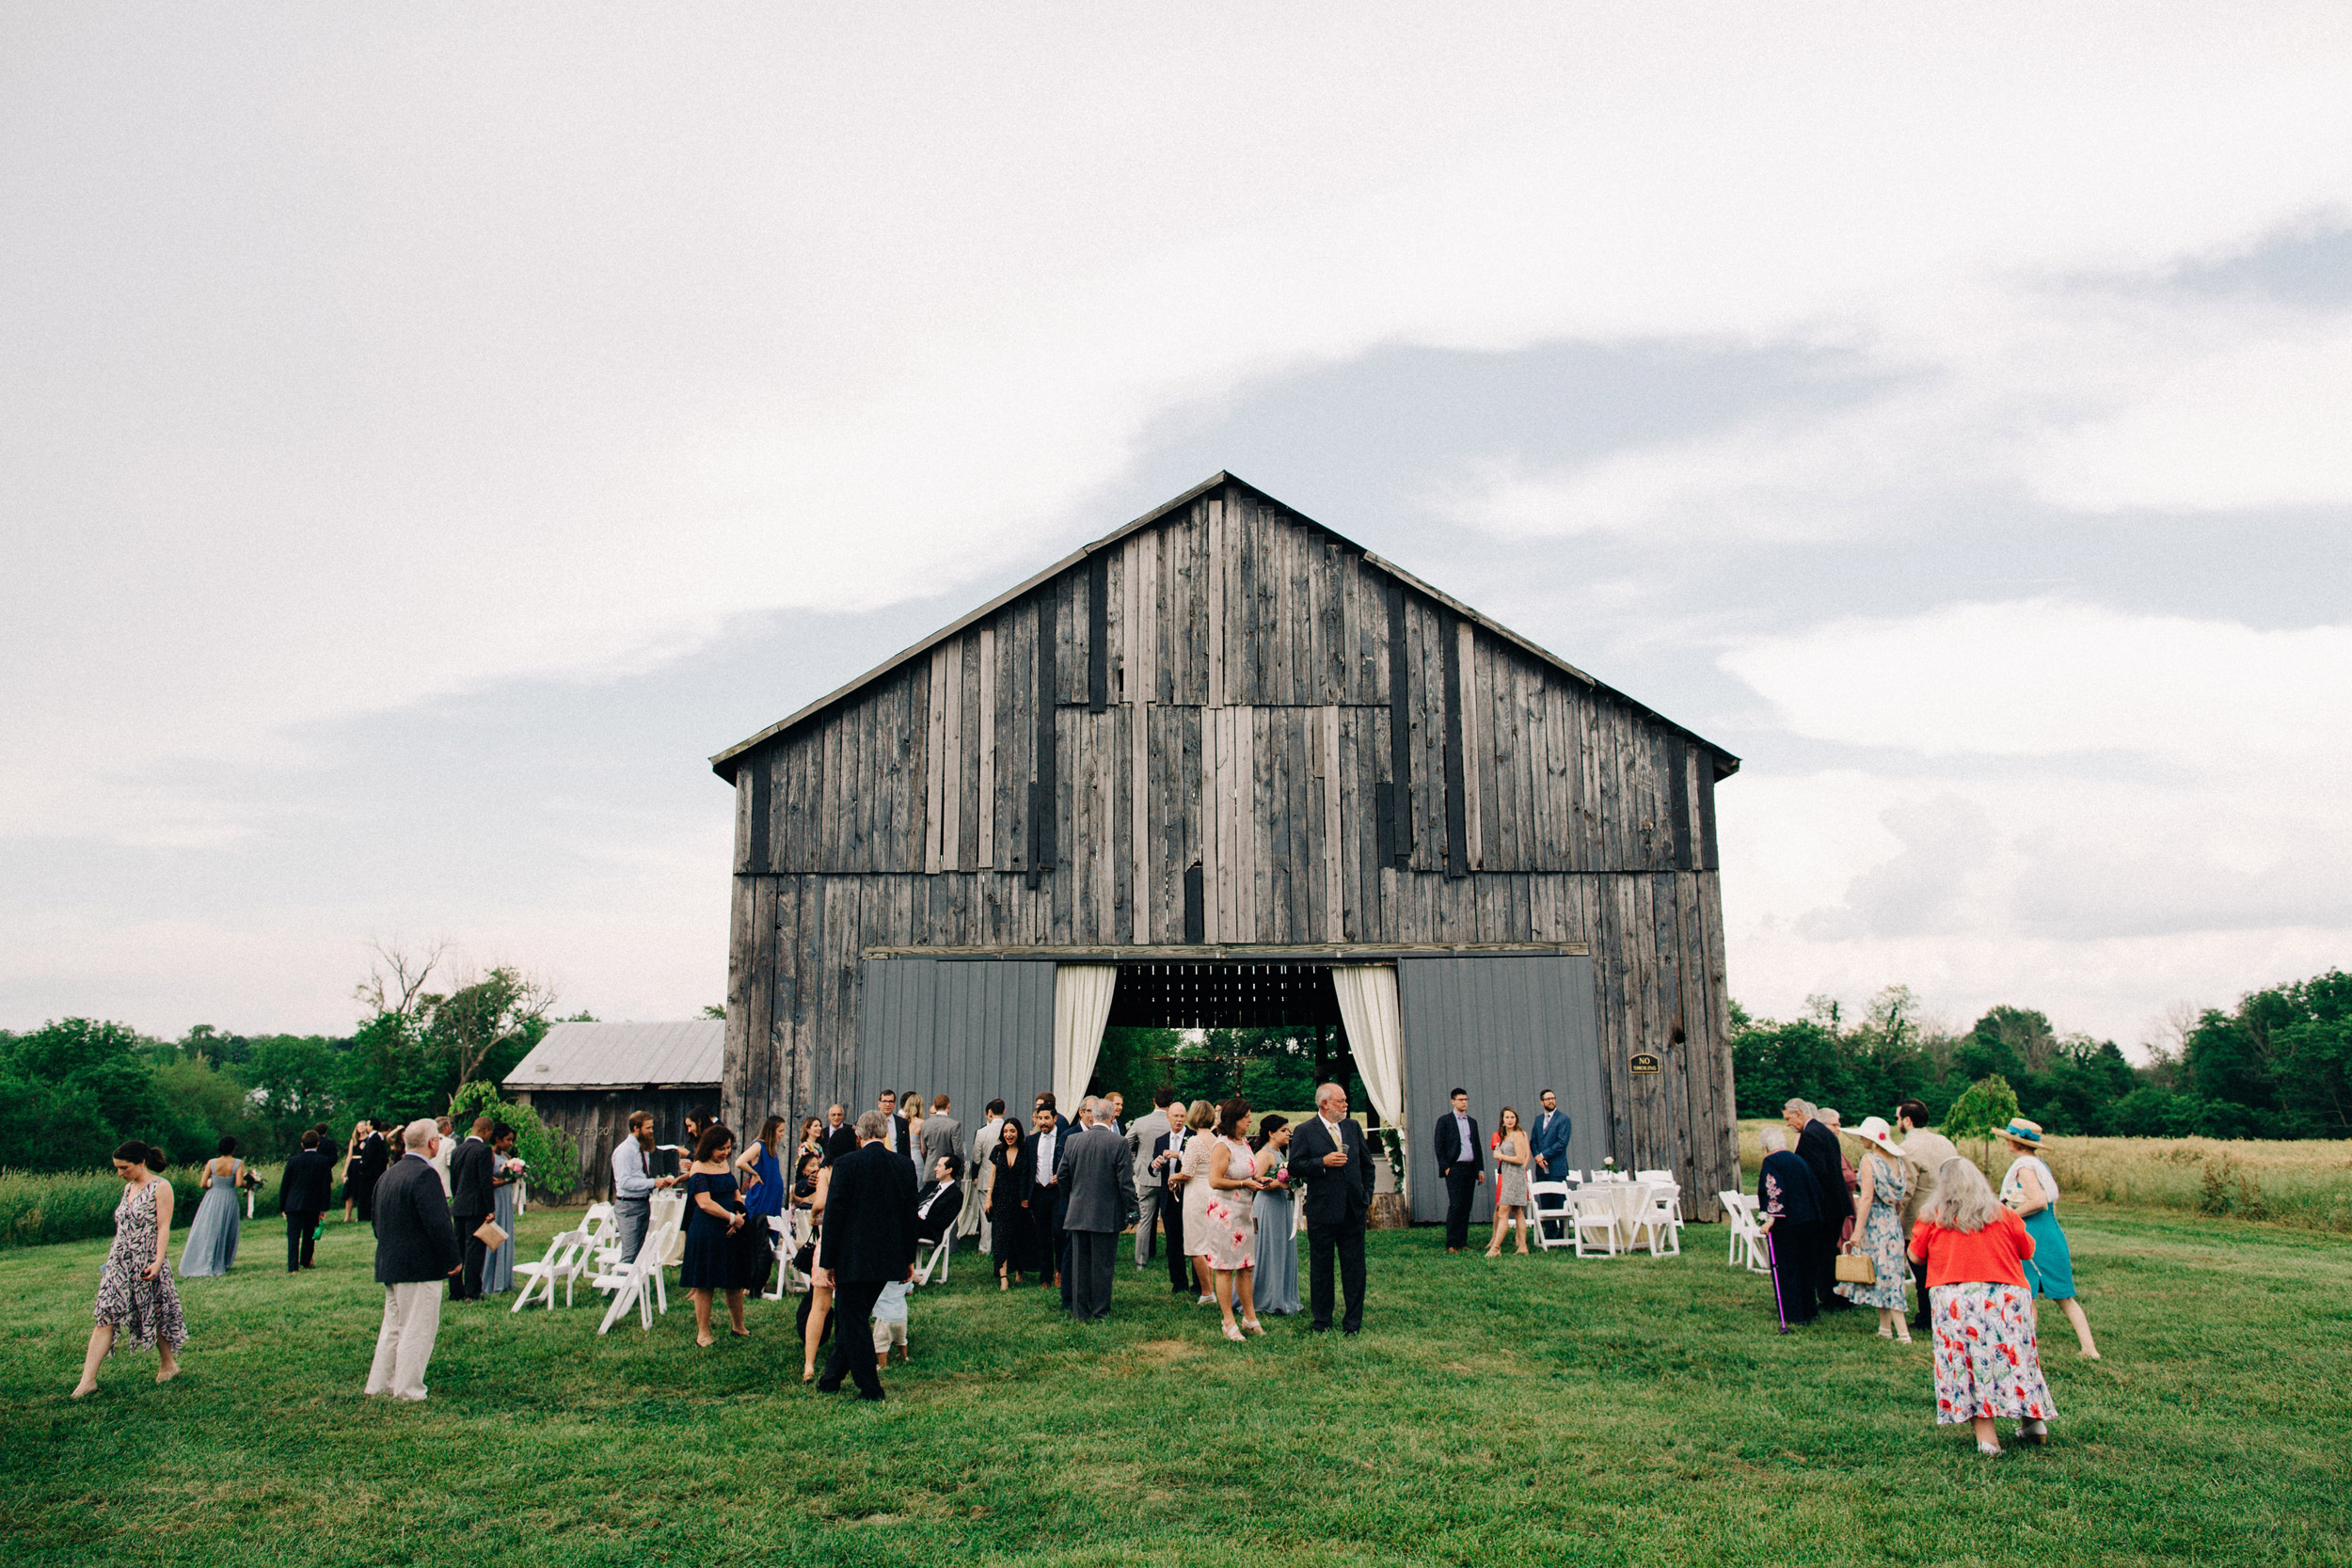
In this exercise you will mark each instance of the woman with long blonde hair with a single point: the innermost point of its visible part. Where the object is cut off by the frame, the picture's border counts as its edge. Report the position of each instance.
(1980, 1309)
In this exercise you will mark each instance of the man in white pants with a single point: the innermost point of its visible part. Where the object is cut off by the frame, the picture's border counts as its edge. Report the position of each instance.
(415, 1252)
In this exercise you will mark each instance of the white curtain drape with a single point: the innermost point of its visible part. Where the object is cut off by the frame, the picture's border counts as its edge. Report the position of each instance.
(1082, 1005)
(1375, 1032)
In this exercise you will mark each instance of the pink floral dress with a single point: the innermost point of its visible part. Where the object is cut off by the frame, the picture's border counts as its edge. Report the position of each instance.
(1230, 1231)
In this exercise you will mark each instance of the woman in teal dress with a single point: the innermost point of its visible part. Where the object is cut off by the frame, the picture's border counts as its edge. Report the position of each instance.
(1886, 1178)
(2032, 1190)
(211, 1245)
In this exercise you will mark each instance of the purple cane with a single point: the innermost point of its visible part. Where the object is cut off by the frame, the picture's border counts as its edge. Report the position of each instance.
(1772, 1258)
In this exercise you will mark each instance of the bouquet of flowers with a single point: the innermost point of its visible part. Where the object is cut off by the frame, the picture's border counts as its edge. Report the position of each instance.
(1280, 1174)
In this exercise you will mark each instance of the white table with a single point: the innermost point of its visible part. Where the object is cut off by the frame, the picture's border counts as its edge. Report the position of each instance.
(1628, 1198)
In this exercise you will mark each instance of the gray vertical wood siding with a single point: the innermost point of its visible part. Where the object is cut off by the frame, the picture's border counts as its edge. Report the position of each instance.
(1345, 754)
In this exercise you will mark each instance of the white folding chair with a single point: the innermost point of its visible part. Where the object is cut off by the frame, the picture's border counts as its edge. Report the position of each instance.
(783, 1239)
(1659, 1212)
(565, 1257)
(636, 1284)
(602, 1227)
(936, 1258)
(1595, 1217)
(1576, 1178)
(1747, 1234)
(1549, 1208)
(1653, 1176)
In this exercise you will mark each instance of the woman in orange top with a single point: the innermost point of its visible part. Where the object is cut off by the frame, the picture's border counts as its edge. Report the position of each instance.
(1980, 1309)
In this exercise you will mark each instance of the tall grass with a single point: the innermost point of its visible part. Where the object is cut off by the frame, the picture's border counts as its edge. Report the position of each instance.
(2304, 1182)
(75, 1205)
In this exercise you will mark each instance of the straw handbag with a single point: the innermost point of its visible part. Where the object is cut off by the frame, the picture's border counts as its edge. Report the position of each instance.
(1855, 1268)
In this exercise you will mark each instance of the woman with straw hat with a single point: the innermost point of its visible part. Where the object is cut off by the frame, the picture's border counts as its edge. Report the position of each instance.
(2032, 1190)
(1886, 1177)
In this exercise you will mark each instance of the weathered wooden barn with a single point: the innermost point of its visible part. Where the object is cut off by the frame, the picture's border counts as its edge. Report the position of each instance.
(1225, 765)
(589, 1078)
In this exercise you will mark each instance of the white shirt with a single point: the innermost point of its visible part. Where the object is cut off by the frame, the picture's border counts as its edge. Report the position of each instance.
(1046, 1143)
(1333, 1127)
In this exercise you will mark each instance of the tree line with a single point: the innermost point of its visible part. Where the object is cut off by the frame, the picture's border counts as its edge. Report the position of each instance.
(79, 1087)
(2279, 1065)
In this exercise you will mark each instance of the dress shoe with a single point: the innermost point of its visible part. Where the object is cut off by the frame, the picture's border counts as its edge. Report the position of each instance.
(829, 1385)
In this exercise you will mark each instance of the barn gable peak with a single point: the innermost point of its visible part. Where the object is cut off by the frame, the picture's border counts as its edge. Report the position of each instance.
(726, 762)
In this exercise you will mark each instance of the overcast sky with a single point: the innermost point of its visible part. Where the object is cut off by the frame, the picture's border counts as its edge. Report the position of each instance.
(426, 434)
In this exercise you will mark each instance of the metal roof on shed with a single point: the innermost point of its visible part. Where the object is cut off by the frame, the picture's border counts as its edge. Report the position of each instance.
(599, 1055)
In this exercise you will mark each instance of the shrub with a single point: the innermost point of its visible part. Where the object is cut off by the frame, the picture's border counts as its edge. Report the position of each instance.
(550, 1161)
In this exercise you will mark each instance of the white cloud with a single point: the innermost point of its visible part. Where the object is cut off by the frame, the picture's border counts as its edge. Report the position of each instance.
(2072, 804)
(2047, 677)
(358, 358)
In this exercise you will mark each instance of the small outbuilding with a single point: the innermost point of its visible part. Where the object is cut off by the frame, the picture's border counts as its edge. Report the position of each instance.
(588, 1078)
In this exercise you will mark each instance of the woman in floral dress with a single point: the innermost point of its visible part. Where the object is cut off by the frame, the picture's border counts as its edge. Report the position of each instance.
(1980, 1309)
(1231, 1224)
(1885, 1183)
(137, 1306)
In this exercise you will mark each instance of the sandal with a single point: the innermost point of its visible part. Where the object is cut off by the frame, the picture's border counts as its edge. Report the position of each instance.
(1253, 1325)
(1233, 1333)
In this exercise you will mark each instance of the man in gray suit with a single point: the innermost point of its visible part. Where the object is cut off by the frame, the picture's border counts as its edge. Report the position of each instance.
(943, 1137)
(1149, 1187)
(1098, 1180)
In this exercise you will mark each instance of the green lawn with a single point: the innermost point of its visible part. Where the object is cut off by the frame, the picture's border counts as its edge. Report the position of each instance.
(1530, 1411)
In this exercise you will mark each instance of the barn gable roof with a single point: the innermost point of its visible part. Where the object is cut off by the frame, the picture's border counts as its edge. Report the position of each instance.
(624, 1056)
(724, 764)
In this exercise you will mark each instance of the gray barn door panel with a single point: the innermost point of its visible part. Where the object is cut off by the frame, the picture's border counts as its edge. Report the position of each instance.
(1506, 1028)
(975, 1031)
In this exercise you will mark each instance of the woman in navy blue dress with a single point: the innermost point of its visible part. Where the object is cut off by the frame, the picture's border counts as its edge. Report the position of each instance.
(713, 1215)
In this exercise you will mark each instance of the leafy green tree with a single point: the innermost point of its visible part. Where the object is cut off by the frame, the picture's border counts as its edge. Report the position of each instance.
(484, 1028)
(1986, 1106)
(549, 1156)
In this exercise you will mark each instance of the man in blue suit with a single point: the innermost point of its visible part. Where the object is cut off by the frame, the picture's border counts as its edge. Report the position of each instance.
(1549, 1138)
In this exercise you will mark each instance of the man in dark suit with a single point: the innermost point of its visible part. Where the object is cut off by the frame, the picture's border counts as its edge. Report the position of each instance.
(1167, 1157)
(1816, 1146)
(938, 1204)
(1460, 1158)
(1098, 1183)
(1329, 1158)
(472, 1198)
(1049, 1142)
(868, 1241)
(1549, 1141)
(305, 1193)
(415, 1250)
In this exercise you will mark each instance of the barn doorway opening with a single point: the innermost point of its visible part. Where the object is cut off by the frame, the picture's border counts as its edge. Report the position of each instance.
(1211, 1029)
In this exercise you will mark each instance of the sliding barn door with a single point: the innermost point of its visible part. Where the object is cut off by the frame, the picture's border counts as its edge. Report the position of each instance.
(1506, 1028)
(975, 1030)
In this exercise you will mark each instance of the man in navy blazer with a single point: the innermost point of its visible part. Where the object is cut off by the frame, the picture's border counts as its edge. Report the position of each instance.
(1460, 1158)
(1329, 1159)
(1549, 1139)
(868, 1240)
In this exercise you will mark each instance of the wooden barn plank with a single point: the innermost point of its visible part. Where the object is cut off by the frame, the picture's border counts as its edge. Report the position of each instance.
(987, 762)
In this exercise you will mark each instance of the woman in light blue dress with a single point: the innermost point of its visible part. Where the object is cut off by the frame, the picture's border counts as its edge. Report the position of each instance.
(211, 1244)
(2031, 1189)
(1277, 1282)
(498, 1267)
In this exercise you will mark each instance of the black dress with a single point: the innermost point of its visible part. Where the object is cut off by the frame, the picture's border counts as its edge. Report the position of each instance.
(711, 1261)
(370, 1164)
(1011, 1223)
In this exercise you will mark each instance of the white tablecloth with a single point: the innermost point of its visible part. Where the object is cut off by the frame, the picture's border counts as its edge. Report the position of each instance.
(1628, 1198)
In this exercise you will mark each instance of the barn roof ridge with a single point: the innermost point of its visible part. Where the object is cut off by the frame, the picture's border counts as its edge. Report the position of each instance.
(724, 763)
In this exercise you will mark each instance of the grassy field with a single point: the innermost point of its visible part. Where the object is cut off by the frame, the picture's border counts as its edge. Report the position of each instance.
(1528, 1411)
